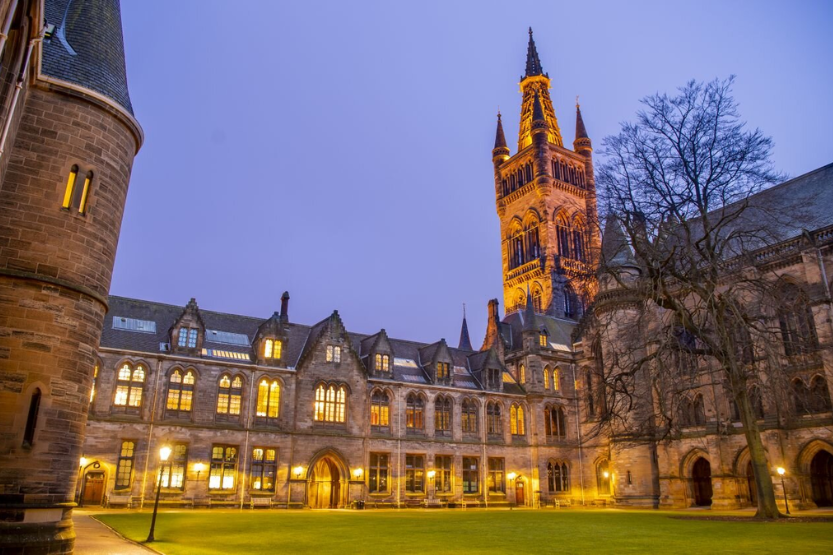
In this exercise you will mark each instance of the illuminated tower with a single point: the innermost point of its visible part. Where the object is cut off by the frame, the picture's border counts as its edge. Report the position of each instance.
(66, 152)
(546, 201)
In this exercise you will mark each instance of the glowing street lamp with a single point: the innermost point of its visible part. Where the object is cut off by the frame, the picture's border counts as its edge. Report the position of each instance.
(297, 471)
(83, 462)
(358, 473)
(164, 453)
(780, 470)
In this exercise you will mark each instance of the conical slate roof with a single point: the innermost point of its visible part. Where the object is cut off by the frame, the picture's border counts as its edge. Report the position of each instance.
(88, 47)
(500, 138)
(581, 131)
(533, 63)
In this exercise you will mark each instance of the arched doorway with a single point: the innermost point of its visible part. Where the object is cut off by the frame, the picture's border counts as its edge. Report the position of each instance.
(821, 478)
(701, 477)
(751, 486)
(324, 485)
(93, 488)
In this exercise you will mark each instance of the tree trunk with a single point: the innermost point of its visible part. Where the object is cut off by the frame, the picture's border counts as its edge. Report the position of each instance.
(767, 508)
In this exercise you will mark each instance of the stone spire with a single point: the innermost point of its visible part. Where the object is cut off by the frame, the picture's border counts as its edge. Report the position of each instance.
(538, 113)
(500, 138)
(465, 340)
(581, 131)
(533, 63)
(529, 313)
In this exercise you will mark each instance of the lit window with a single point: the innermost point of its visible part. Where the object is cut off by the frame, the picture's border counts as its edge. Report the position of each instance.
(223, 467)
(379, 472)
(229, 397)
(95, 377)
(264, 468)
(85, 193)
(180, 394)
(442, 415)
(494, 423)
(124, 468)
(442, 370)
(414, 413)
(546, 378)
(414, 473)
(272, 348)
(522, 374)
(333, 353)
(471, 475)
(32, 419)
(379, 410)
(555, 380)
(382, 363)
(173, 475)
(73, 175)
(330, 403)
(444, 472)
(187, 337)
(516, 420)
(542, 339)
(129, 385)
(268, 399)
(468, 414)
(496, 482)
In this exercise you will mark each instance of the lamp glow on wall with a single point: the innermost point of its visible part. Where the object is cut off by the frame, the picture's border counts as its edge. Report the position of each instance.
(199, 467)
(83, 462)
(357, 474)
(511, 475)
(297, 471)
(431, 474)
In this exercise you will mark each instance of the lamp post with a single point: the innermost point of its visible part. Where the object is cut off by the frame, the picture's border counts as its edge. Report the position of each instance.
(431, 474)
(512, 477)
(199, 467)
(164, 453)
(781, 473)
(81, 464)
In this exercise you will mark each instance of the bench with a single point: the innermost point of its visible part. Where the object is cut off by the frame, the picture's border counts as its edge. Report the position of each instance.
(466, 503)
(382, 504)
(559, 503)
(413, 503)
(126, 500)
(262, 502)
(435, 503)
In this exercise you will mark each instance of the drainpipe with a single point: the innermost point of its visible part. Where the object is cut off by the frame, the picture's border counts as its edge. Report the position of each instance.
(150, 432)
(578, 433)
(7, 24)
(21, 79)
(246, 452)
(399, 444)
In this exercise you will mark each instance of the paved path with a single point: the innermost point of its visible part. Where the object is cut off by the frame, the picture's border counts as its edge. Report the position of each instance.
(93, 538)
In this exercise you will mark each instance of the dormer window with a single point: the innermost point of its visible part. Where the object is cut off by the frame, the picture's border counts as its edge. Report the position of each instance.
(383, 363)
(272, 348)
(543, 338)
(187, 337)
(333, 353)
(442, 371)
(493, 378)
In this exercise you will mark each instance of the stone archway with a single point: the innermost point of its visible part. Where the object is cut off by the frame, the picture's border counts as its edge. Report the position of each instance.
(701, 479)
(327, 481)
(821, 478)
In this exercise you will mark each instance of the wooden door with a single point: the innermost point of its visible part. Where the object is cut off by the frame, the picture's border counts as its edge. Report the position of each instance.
(751, 485)
(93, 488)
(519, 493)
(701, 475)
(821, 479)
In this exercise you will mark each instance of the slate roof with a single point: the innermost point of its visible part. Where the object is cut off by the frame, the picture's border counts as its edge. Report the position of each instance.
(300, 338)
(88, 47)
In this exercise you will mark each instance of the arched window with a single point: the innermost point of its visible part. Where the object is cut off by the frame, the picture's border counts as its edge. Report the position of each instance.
(95, 379)
(562, 230)
(757, 402)
(521, 181)
(590, 392)
(556, 170)
(124, 467)
(546, 378)
(578, 243)
(555, 380)
(330, 403)
(517, 422)
(512, 183)
(268, 400)
(180, 394)
(129, 383)
(32, 419)
(528, 172)
(699, 411)
(537, 298)
(379, 410)
(692, 412)
(442, 415)
(505, 185)
(229, 397)
(555, 425)
(494, 422)
(522, 374)
(468, 414)
(533, 249)
(70, 188)
(819, 395)
(558, 476)
(272, 348)
(603, 477)
(795, 317)
(571, 303)
(414, 413)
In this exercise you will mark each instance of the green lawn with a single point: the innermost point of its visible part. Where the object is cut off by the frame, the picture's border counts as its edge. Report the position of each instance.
(444, 531)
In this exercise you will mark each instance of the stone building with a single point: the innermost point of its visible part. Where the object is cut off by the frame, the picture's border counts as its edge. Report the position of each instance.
(267, 411)
(66, 150)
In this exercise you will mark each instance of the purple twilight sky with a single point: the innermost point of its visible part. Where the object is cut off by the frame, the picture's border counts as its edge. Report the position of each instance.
(342, 150)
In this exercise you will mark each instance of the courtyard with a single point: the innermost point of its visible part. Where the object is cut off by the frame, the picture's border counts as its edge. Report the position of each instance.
(473, 531)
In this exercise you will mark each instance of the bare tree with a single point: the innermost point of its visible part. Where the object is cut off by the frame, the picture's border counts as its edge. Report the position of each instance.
(695, 306)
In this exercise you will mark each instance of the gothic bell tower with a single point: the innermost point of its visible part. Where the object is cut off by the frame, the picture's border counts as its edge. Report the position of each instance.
(546, 201)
